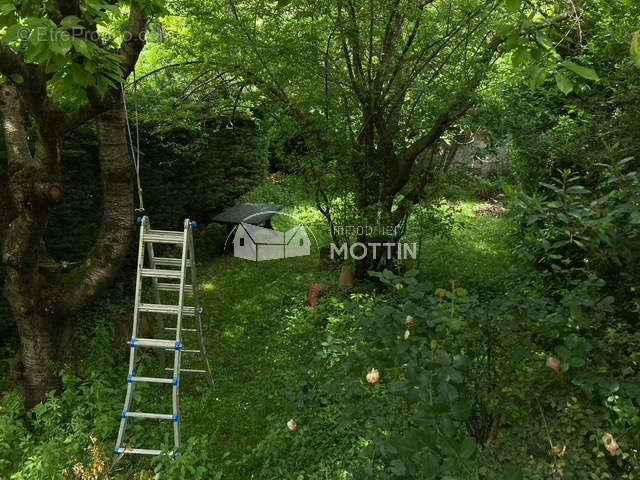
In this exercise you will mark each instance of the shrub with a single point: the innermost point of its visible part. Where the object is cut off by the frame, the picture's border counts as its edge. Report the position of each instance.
(211, 242)
(197, 171)
(572, 233)
(435, 219)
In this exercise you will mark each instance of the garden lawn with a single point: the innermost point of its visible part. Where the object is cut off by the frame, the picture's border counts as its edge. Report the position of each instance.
(477, 252)
(260, 336)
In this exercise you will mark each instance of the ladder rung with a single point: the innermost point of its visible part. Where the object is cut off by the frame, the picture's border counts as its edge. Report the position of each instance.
(138, 451)
(184, 330)
(154, 416)
(185, 350)
(172, 262)
(167, 309)
(133, 378)
(174, 287)
(169, 237)
(162, 232)
(157, 272)
(186, 370)
(154, 343)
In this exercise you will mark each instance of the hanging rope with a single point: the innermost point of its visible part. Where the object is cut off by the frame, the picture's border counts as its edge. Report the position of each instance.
(135, 153)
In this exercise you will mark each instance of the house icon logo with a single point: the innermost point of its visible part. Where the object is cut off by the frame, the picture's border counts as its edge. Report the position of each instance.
(256, 243)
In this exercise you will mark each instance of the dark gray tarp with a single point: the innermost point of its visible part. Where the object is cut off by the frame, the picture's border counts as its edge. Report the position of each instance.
(253, 213)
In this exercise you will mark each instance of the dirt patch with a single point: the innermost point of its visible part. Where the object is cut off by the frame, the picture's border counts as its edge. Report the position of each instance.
(491, 209)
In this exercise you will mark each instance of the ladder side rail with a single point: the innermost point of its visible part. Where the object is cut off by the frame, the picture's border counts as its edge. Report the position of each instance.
(175, 400)
(144, 228)
(132, 350)
(178, 352)
(183, 269)
(198, 312)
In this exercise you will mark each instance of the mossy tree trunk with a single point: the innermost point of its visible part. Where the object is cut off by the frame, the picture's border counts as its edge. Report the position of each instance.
(43, 297)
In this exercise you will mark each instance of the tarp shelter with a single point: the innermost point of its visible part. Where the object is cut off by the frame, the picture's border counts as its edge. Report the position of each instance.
(252, 213)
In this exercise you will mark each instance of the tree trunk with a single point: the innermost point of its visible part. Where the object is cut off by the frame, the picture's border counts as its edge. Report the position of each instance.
(377, 205)
(44, 348)
(6, 206)
(34, 193)
(43, 298)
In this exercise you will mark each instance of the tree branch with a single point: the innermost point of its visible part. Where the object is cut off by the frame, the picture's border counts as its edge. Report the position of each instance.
(97, 104)
(134, 41)
(16, 140)
(108, 253)
(32, 87)
(356, 48)
(11, 64)
(165, 67)
(66, 8)
(347, 56)
(128, 54)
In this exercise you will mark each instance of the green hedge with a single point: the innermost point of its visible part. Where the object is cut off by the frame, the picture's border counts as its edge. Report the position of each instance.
(195, 174)
(185, 173)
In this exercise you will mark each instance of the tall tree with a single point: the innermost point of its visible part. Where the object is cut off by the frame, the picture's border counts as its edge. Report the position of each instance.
(374, 84)
(58, 71)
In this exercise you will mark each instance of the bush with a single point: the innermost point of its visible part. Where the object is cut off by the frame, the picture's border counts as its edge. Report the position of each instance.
(435, 219)
(463, 390)
(196, 172)
(211, 242)
(573, 233)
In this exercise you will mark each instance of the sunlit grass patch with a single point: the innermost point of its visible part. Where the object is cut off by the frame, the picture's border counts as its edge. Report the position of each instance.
(476, 253)
(207, 287)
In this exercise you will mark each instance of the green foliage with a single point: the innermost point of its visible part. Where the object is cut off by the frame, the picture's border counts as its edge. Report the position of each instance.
(197, 169)
(597, 122)
(211, 242)
(574, 232)
(436, 219)
(564, 84)
(77, 55)
(415, 417)
(190, 464)
(288, 191)
(54, 436)
(476, 252)
(75, 224)
(463, 390)
(634, 48)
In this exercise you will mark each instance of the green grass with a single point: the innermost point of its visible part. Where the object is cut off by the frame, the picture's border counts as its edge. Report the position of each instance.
(259, 337)
(477, 253)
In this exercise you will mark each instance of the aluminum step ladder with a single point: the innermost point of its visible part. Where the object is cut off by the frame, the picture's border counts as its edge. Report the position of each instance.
(161, 271)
